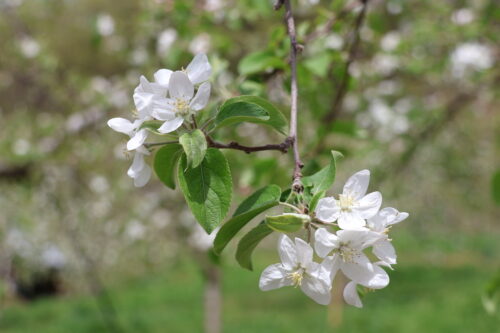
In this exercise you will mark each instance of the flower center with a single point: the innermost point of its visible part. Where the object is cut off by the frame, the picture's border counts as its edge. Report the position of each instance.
(297, 277)
(346, 202)
(181, 106)
(347, 253)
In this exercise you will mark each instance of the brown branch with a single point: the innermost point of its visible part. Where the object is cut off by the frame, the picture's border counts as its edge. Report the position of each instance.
(346, 77)
(294, 47)
(283, 147)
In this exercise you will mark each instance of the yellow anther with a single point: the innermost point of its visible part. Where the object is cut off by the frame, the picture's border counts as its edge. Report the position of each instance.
(346, 202)
(296, 277)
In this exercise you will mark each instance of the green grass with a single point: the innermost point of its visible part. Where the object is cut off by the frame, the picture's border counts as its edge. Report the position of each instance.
(420, 298)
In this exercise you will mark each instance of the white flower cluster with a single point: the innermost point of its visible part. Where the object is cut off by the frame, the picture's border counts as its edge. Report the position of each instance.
(361, 224)
(171, 99)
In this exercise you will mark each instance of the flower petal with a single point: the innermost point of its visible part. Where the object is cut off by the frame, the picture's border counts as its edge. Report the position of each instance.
(288, 253)
(401, 216)
(199, 69)
(304, 252)
(201, 99)
(351, 295)
(351, 221)
(359, 239)
(180, 86)
(137, 165)
(327, 209)
(317, 289)
(273, 277)
(162, 77)
(324, 242)
(380, 279)
(142, 178)
(121, 125)
(361, 271)
(138, 139)
(357, 184)
(385, 252)
(171, 125)
(369, 205)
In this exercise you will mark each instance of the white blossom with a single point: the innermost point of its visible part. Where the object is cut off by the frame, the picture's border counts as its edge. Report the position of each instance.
(298, 269)
(470, 56)
(182, 102)
(347, 248)
(105, 24)
(383, 249)
(353, 206)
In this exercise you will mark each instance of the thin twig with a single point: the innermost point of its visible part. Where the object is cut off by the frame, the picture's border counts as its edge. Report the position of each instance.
(294, 47)
(283, 147)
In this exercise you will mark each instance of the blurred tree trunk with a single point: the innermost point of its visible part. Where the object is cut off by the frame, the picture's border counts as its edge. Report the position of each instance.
(212, 299)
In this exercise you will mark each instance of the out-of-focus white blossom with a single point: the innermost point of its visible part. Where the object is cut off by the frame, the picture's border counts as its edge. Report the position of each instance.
(165, 41)
(199, 239)
(105, 25)
(470, 57)
(463, 16)
(390, 41)
(53, 257)
(200, 44)
(385, 64)
(334, 41)
(21, 147)
(29, 47)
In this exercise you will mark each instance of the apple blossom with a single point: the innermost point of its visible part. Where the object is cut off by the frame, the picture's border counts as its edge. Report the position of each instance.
(353, 206)
(298, 269)
(347, 247)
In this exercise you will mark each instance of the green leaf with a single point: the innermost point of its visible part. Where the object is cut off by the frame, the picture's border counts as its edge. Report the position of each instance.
(275, 118)
(165, 162)
(233, 113)
(495, 187)
(249, 242)
(315, 199)
(287, 222)
(152, 126)
(258, 202)
(324, 178)
(259, 62)
(195, 146)
(207, 188)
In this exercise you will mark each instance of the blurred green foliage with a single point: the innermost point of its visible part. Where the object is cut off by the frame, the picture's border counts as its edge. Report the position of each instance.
(421, 112)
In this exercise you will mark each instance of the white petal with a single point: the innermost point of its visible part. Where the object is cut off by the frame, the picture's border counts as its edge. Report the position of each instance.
(324, 242)
(142, 178)
(180, 86)
(163, 109)
(143, 102)
(138, 139)
(401, 216)
(359, 239)
(288, 253)
(350, 221)
(162, 77)
(327, 209)
(330, 266)
(317, 289)
(273, 277)
(304, 252)
(357, 184)
(380, 279)
(137, 165)
(199, 69)
(201, 99)
(121, 125)
(361, 271)
(171, 125)
(385, 252)
(369, 205)
(351, 295)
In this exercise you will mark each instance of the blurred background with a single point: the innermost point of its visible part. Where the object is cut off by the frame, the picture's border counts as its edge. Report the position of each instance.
(410, 91)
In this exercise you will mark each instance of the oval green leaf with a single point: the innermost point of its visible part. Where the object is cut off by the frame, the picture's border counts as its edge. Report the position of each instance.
(195, 146)
(260, 201)
(165, 162)
(249, 242)
(287, 222)
(207, 188)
